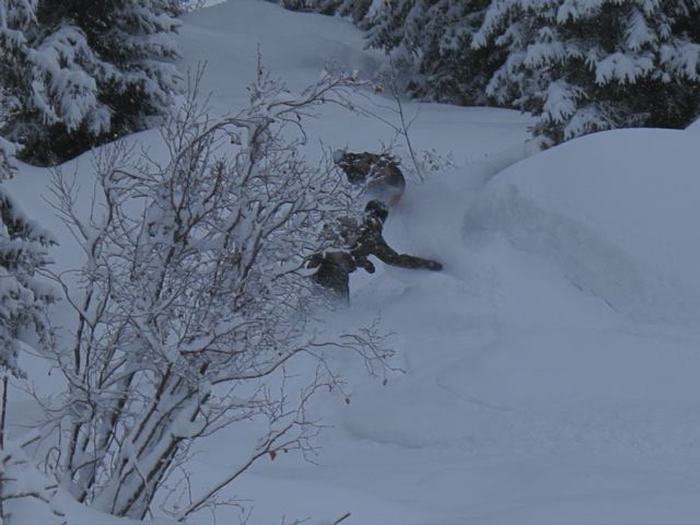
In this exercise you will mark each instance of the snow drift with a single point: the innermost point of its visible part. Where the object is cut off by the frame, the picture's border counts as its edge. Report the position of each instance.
(551, 370)
(614, 211)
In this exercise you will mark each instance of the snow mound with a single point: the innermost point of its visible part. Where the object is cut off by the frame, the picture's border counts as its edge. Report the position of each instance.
(614, 211)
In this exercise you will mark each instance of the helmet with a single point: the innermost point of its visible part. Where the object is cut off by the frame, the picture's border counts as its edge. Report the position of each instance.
(377, 209)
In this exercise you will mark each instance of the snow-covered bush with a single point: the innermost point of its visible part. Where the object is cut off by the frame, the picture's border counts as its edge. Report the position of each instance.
(194, 302)
(587, 66)
(78, 73)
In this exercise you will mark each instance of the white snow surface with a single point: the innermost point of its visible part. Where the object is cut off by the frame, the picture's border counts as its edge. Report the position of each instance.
(550, 371)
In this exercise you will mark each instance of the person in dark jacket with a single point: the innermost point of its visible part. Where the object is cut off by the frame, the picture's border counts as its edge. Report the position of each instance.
(334, 267)
(379, 173)
(371, 242)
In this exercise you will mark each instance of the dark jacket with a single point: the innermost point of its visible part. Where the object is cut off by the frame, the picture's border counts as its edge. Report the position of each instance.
(335, 266)
(371, 242)
(333, 272)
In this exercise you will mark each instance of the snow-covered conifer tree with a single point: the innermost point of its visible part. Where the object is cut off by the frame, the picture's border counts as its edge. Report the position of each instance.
(83, 72)
(584, 66)
(7, 151)
(357, 10)
(430, 41)
(43, 80)
(23, 250)
(449, 70)
(23, 303)
(396, 27)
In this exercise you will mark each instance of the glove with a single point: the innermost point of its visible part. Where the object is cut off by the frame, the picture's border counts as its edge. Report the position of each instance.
(369, 267)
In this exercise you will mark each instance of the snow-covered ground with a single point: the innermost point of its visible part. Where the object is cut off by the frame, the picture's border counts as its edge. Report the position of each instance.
(550, 371)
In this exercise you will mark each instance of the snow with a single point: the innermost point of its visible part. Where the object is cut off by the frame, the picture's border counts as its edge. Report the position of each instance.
(538, 387)
(297, 46)
(623, 68)
(604, 217)
(695, 126)
(550, 371)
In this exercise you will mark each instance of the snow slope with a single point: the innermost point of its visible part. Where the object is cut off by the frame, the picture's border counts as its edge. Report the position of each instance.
(551, 369)
(296, 46)
(550, 372)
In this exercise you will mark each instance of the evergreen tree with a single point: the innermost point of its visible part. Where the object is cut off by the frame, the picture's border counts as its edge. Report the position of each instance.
(81, 72)
(356, 10)
(396, 28)
(23, 249)
(430, 41)
(7, 151)
(359, 11)
(43, 79)
(449, 69)
(584, 66)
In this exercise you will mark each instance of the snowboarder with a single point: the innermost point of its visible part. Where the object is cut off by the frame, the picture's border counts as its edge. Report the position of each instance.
(334, 267)
(379, 173)
(371, 242)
